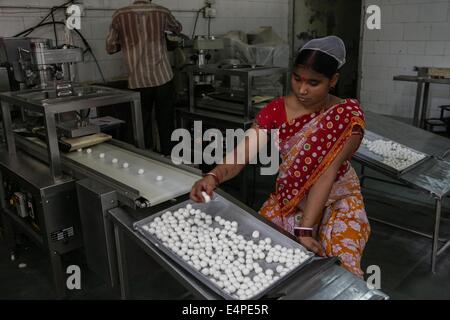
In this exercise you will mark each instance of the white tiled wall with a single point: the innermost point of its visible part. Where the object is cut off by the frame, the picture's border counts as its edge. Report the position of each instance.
(413, 33)
(243, 15)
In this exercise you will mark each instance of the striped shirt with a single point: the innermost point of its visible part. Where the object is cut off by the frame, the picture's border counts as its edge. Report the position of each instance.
(138, 30)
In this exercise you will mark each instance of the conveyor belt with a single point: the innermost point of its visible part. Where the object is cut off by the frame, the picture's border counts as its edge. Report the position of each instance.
(175, 181)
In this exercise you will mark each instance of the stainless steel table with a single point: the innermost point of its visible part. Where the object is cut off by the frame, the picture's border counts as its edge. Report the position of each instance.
(321, 279)
(422, 95)
(431, 177)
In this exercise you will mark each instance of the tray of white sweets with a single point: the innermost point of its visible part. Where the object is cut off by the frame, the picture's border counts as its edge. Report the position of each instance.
(389, 155)
(231, 251)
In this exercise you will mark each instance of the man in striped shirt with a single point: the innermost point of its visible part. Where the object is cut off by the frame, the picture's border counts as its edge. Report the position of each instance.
(139, 31)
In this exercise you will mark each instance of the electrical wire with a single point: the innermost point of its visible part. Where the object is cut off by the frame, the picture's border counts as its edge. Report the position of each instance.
(196, 20)
(43, 23)
(29, 30)
(54, 29)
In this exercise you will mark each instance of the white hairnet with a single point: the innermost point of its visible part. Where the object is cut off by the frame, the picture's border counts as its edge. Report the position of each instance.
(331, 45)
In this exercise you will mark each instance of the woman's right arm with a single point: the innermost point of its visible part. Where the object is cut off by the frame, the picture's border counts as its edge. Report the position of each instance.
(226, 171)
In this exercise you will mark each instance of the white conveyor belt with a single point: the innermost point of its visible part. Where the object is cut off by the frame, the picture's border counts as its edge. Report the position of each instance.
(156, 181)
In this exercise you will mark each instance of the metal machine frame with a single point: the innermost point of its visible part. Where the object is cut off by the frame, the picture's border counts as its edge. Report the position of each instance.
(246, 74)
(51, 107)
(49, 186)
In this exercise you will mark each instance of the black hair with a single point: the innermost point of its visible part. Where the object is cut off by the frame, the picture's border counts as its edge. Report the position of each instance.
(317, 61)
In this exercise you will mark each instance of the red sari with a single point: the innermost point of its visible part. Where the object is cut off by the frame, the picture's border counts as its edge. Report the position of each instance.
(308, 146)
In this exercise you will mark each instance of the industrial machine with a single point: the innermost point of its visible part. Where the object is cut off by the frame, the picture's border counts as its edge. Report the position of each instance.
(237, 93)
(203, 48)
(33, 63)
(38, 196)
(45, 211)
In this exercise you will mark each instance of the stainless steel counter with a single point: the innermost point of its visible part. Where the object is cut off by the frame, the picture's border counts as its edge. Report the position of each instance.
(320, 279)
(431, 176)
(422, 95)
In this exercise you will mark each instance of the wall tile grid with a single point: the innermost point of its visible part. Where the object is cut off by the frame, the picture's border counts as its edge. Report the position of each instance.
(413, 33)
(243, 15)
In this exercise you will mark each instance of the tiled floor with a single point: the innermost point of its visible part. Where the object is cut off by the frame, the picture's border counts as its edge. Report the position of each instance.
(404, 258)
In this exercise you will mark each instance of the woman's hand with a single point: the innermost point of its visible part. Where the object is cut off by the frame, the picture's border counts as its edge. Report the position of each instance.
(311, 244)
(207, 184)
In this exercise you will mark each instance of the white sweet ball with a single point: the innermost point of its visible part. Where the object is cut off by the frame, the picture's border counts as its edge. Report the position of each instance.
(114, 160)
(101, 155)
(232, 289)
(269, 272)
(89, 151)
(255, 234)
(159, 178)
(206, 197)
(205, 271)
(141, 171)
(125, 165)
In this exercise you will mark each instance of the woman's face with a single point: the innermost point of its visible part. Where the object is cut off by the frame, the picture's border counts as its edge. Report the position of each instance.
(311, 87)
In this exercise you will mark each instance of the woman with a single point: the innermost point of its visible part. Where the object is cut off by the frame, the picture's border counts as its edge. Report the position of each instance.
(318, 196)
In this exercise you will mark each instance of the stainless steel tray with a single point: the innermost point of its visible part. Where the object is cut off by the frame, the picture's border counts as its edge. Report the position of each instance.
(219, 206)
(365, 154)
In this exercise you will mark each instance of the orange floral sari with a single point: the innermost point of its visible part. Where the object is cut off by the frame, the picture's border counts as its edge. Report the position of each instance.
(308, 146)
